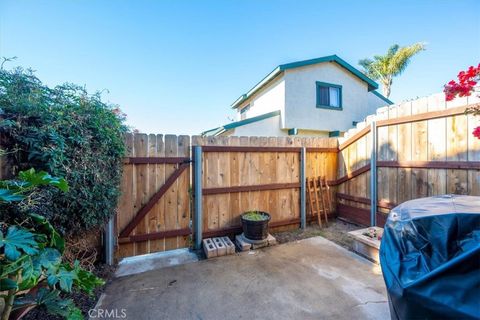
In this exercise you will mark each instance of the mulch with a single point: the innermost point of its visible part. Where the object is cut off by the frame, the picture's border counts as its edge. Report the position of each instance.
(337, 231)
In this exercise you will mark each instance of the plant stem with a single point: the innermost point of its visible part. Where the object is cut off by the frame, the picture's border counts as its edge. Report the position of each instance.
(9, 301)
(8, 304)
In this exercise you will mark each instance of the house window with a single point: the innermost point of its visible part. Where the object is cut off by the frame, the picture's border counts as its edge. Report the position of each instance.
(243, 112)
(329, 96)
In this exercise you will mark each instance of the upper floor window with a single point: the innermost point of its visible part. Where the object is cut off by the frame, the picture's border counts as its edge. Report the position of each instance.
(243, 112)
(329, 95)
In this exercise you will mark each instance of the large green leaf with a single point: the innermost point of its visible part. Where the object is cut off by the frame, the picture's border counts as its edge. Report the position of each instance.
(63, 276)
(52, 301)
(56, 241)
(7, 284)
(7, 195)
(30, 275)
(18, 240)
(34, 267)
(47, 258)
(42, 178)
(12, 267)
(87, 281)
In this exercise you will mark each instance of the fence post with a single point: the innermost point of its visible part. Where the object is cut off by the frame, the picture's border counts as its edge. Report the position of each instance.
(109, 241)
(303, 193)
(373, 175)
(197, 179)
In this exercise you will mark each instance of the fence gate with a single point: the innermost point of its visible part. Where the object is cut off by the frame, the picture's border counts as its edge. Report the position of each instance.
(154, 208)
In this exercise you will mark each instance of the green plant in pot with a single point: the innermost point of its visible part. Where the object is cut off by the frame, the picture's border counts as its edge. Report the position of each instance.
(255, 224)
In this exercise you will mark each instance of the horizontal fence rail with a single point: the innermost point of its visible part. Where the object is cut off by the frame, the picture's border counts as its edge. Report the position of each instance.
(424, 148)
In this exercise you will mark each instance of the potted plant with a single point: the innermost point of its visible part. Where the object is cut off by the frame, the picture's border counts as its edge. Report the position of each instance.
(255, 224)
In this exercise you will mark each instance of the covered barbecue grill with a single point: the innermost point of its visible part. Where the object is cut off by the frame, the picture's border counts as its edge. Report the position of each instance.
(430, 258)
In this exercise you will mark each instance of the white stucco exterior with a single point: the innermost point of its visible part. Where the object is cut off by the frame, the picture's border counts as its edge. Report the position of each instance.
(264, 128)
(300, 95)
(269, 128)
(291, 91)
(270, 98)
(294, 94)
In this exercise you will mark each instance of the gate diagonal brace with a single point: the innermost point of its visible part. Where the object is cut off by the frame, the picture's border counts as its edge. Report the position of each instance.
(154, 199)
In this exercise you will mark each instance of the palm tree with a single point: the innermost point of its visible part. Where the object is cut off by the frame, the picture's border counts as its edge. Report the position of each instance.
(384, 68)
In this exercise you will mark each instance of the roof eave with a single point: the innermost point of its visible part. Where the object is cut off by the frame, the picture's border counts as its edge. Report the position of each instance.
(371, 85)
(275, 72)
(233, 125)
(381, 96)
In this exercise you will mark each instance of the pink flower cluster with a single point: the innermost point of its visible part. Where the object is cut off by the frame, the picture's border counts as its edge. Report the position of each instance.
(465, 85)
(464, 88)
(476, 132)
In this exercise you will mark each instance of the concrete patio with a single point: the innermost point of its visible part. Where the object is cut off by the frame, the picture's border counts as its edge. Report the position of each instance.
(307, 279)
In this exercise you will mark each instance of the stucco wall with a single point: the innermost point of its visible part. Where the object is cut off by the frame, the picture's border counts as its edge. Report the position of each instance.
(375, 102)
(300, 98)
(269, 127)
(268, 99)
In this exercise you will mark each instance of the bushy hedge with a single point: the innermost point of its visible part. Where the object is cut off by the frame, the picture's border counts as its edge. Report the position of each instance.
(68, 133)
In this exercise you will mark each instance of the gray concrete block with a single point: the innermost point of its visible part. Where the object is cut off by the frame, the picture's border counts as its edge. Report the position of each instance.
(229, 245)
(221, 248)
(366, 250)
(259, 245)
(271, 240)
(241, 243)
(209, 248)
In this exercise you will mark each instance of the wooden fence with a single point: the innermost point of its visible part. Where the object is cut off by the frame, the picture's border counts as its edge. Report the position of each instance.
(425, 148)
(258, 173)
(238, 174)
(154, 209)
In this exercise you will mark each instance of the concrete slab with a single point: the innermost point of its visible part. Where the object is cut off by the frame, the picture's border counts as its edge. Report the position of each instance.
(307, 279)
(154, 261)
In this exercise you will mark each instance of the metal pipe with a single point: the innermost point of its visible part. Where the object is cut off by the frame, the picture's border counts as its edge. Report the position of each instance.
(197, 200)
(109, 241)
(303, 192)
(373, 175)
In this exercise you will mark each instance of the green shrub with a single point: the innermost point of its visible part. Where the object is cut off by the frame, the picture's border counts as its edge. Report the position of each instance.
(69, 133)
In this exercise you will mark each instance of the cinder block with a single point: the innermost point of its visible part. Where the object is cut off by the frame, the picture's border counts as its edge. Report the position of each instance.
(209, 248)
(229, 245)
(241, 243)
(271, 240)
(259, 245)
(221, 249)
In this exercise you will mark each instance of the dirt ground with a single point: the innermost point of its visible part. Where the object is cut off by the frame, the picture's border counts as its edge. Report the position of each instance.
(337, 231)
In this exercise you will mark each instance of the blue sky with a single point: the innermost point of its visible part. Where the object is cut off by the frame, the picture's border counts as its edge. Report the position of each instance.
(176, 66)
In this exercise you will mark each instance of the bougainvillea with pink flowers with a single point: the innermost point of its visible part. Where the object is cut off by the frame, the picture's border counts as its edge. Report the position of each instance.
(466, 85)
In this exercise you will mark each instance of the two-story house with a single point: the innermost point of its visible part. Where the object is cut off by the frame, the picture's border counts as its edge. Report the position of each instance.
(317, 97)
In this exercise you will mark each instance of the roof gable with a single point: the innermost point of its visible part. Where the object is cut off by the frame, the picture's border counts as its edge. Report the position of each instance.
(372, 85)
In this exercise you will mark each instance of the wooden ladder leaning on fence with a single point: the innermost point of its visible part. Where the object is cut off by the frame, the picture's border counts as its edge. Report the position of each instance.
(318, 193)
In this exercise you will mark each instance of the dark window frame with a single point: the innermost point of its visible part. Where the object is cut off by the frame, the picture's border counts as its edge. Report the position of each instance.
(319, 85)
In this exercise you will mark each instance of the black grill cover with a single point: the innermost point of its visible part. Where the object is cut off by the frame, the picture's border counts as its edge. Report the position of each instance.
(430, 258)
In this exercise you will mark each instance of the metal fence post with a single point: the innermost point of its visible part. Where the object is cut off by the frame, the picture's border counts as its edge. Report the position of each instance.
(303, 193)
(109, 241)
(373, 175)
(197, 178)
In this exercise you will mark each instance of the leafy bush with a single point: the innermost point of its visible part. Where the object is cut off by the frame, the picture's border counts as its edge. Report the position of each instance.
(69, 133)
(32, 272)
